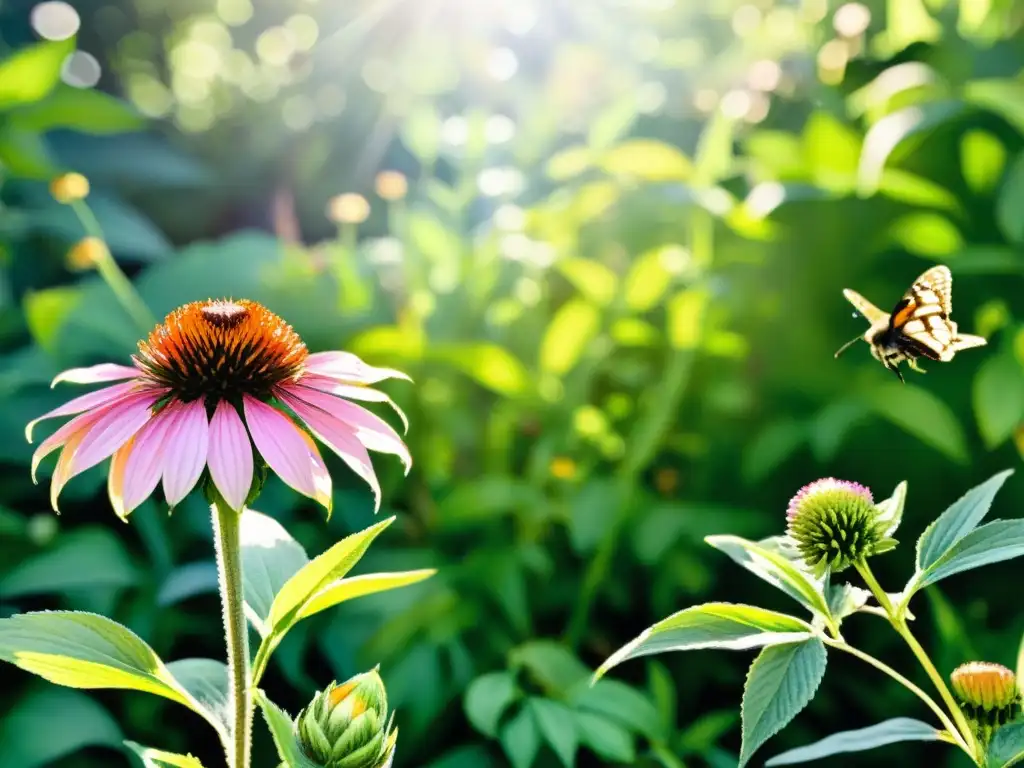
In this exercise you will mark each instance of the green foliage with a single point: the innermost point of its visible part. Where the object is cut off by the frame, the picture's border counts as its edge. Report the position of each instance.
(874, 736)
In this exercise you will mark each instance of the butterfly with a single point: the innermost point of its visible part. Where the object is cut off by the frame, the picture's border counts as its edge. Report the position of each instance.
(918, 326)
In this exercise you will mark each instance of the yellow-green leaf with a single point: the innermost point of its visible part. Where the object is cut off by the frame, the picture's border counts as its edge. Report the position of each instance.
(31, 73)
(571, 329)
(591, 278)
(647, 160)
(157, 758)
(651, 275)
(358, 586)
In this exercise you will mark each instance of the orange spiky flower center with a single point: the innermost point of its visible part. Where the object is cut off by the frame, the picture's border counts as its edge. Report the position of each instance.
(221, 349)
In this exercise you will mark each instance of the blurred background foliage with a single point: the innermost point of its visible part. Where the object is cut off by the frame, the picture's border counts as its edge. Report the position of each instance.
(609, 243)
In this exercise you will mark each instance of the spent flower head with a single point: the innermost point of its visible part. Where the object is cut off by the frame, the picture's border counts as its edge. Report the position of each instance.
(347, 725)
(834, 524)
(221, 389)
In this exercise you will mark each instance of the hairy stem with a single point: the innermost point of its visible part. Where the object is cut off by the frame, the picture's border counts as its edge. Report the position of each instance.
(899, 623)
(954, 732)
(227, 540)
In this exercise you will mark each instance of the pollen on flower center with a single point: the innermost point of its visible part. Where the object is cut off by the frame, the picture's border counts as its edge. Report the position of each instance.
(221, 349)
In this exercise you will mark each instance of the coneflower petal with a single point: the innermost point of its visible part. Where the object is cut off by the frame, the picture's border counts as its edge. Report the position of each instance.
(64, 470)
(112, 430)
(64, 434)
(371, 430)
(230, 455)
(350, 392)
(321, 477)
(115, 478)
(144, 464)
(82, 403)
(186, 443)
(340, 438)
(94, 374)
(278, 440)
(347, 367)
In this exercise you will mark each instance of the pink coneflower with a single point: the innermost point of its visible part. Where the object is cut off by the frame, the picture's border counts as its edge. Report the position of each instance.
(213, 382)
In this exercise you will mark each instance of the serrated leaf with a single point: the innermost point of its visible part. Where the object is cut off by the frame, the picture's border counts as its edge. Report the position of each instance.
(358, 586)
(557, 725)
(521, 739)
(84, 650)
(157, 758)
(773, 568)
(782, 681)
(728, 626)
(1006, 747)
(991, 543)
(283, 732)
(957, 521)
(605, 738)
(487, 698)
(888, 732)
(270, 557)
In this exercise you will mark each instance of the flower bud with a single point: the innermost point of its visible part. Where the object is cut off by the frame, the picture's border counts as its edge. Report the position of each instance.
(391, 185)
(86, 254)
(834, 524)
(69, 188)
(347, 726)
(348, 208)
(988, 695)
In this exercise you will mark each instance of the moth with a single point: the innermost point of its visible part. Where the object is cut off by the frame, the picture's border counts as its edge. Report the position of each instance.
(918, 326)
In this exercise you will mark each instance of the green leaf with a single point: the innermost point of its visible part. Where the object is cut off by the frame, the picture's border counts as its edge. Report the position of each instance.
(270, 556)
(186, 581)
(651, 275)
(283, 732)
(313, 577)
(551, 665)
(888, 732)
(569, 332)
(773, 445)
(32, 72)
(84, 559)
(569, 162)
(991, 543)
(47, 310)
(773, 568)
(557, 725)
(157, 758)
(487, 698)
(957, 521)
(982, 159)
(30, 739)
(521, 739)
(24, 154)
(647, 160)
(998, 396)
(1006, 747)
(621, 703)
(712, 625)
(607, 739)
(206, 682)
(781, 682)
(591, 278)
(1011, 201)
(489, 365)
(921, 414)
(358, 586)
(84, 650)
(82, 109)
(891, 510)
(927, 234)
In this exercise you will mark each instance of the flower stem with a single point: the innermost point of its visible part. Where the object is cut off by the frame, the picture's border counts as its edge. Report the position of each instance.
(899, 623)
(112, 275)
(882, 666)
(227, 540)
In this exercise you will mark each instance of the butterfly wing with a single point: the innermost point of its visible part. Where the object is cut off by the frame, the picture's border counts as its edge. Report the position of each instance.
(870, 312)
(922, 321)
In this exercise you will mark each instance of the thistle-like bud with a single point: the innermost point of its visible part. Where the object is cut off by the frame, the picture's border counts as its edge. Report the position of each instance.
(988, 694)
(835, 523)
(347, 725)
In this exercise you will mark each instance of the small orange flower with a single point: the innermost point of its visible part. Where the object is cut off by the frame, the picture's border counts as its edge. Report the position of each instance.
(86, 254)
(985, 685)
(348, 208)
(69, 187)
(563, 468)
(392, 185)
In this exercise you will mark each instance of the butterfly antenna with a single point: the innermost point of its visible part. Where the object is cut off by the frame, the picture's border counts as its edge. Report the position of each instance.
(847, 345)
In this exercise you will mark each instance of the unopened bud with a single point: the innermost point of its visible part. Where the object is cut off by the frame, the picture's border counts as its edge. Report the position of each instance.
(86, 254)
(392, 185)
(348, 208)
(69, 187)
(347, 725)
(988, 695)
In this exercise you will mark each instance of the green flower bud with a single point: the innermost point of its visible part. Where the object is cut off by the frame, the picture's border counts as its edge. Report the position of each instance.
(347, 725)
(835, 523)
(988, 695)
